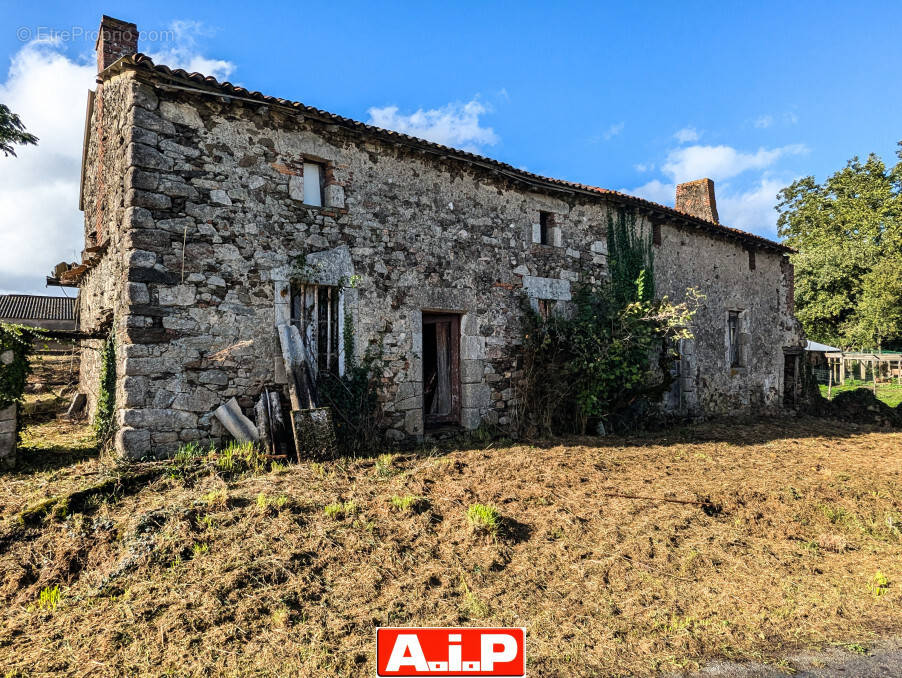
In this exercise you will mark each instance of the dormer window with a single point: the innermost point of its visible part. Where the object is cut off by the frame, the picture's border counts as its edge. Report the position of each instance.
(313, 184)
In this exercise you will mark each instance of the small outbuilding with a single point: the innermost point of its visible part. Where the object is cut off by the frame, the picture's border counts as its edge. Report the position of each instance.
(36, 310)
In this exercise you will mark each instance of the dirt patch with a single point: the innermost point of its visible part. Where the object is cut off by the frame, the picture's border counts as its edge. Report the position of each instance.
(252, 575)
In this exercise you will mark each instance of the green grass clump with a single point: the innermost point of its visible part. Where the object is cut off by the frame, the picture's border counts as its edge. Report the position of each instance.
(49, 598)
(484, 518)
(239, 458)
(384, 465)
(878, 585)
(340, 510)
(403, 503)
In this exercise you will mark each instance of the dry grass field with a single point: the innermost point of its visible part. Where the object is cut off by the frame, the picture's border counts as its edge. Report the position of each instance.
(288, 571)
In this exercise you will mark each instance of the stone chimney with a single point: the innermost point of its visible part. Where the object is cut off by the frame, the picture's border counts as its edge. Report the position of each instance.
(115, 40)
(697, 198)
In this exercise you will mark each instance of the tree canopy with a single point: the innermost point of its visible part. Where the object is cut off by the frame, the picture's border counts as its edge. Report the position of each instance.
(12, 131)
(848, 269)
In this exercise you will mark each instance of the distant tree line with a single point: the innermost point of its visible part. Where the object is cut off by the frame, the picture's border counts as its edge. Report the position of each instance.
(848, 269)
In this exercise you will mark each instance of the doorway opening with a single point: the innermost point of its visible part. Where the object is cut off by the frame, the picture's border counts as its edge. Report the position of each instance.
(441, 369)
(790, 379)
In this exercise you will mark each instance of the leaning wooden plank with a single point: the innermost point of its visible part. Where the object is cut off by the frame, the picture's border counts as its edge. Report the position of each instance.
(279, 431)
(261, 414)
(314, 433)
(236, 423)
(290, 358)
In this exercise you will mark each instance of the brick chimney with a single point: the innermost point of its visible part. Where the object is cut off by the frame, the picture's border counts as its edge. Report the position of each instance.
(697, 198)
(115, 40)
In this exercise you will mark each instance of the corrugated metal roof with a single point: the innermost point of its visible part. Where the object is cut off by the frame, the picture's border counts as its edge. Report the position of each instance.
(144, 62)
(36, 307)
(817, 346)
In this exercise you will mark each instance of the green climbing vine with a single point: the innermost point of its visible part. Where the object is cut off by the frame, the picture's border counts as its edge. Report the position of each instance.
(105, 419)
(612, 348)
(16, 343)
(353, 396)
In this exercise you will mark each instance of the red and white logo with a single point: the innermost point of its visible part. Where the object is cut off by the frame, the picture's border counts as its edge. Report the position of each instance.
(450, 652)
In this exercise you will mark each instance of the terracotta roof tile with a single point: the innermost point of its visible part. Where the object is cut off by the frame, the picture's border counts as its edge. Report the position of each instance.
(143, 62)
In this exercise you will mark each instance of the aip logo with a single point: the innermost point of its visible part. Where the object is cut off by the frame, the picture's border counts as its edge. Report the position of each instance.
(450, 652)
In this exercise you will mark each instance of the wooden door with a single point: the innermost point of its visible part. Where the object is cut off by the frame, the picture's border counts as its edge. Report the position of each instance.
(441, 369)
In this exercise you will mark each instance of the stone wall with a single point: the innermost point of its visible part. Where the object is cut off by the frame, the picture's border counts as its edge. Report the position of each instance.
(208, 227)
(7, 437)
(721, 271)
(106, 288)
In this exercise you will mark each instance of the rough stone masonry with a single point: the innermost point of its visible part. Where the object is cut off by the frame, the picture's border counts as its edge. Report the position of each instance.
(214, 214)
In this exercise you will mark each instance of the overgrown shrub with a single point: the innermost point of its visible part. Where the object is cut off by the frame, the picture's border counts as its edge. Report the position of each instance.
(353, 398)
(15, 348)
(614, 347)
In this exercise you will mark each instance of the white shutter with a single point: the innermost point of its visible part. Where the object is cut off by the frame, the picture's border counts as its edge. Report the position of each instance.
(313, 192)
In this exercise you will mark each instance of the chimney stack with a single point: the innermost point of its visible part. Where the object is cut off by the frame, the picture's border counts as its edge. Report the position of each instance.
(697, 198)
(115, 40)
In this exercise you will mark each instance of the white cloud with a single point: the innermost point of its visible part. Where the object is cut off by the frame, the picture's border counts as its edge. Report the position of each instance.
(644, 166)
(656, 191)
(752, 210)
(687, 134)
(721, 162)
(614, 130)
(456, 124)
(183, 51)
(40, 223)
(767, 120)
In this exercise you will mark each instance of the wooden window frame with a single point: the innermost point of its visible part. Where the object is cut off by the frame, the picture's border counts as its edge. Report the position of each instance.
(734, 334)
(322, 182)
(307, 316)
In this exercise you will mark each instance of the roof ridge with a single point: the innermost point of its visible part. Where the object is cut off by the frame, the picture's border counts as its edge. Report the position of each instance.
(144, 62)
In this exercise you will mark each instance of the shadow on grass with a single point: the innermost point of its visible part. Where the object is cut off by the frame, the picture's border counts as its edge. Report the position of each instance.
(47, 443)
(738, 431)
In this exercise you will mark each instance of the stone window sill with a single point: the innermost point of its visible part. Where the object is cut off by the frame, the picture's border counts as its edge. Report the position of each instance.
(325, 209)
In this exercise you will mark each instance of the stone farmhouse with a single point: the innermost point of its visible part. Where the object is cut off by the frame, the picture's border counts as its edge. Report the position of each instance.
(214, 215)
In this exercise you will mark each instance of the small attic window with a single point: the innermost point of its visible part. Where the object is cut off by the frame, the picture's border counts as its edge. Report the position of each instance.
(751, 260)
(546, 224)
(313, 184)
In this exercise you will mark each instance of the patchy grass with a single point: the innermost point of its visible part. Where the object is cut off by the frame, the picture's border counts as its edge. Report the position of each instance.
(484, 519)
(891, 394)
(212, 573)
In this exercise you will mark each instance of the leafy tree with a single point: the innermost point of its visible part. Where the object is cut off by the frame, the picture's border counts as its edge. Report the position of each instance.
(848, 233)
(12, 131)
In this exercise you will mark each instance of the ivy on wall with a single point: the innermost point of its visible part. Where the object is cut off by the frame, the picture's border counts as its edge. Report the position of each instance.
(105, 419)
(16, 343)
(353, 396)
(612, 349)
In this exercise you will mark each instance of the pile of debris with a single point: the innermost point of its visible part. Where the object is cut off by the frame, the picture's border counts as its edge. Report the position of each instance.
(860, 406)
(312, 428)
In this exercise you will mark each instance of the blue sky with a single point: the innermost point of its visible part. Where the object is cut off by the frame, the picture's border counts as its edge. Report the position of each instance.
(629, 96)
